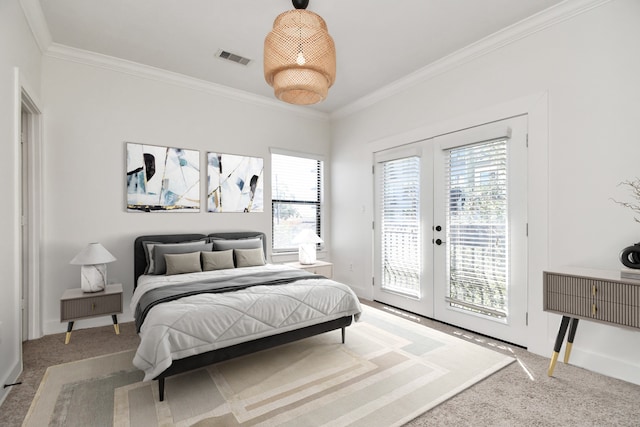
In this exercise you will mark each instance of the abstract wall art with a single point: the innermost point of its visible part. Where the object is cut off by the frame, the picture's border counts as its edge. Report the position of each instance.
(235, 183)
(162, 179)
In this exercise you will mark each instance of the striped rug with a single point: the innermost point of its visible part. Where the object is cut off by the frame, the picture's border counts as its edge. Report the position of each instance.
(389, 371)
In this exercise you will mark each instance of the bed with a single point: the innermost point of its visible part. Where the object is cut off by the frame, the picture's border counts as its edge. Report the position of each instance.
(188, 319)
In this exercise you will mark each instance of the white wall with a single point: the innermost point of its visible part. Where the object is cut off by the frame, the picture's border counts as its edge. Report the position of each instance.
(90, 113)
(587, 68)
(17, 49)
(584, 73)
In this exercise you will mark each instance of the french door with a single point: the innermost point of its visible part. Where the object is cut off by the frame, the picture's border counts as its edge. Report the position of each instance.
(403, 199)
(451, 229)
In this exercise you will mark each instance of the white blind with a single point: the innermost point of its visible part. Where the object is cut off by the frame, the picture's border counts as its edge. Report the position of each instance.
(400, 225)
(296, 194)
(477, 232)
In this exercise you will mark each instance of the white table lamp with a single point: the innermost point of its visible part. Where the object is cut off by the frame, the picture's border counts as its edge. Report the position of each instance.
(93, 273)
(307, 241)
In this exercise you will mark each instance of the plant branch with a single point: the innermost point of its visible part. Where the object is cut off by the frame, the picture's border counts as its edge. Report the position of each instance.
(634, 187)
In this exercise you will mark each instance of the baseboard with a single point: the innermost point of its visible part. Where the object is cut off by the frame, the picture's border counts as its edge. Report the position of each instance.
(602, 364)
(10, 379)
(361, 292)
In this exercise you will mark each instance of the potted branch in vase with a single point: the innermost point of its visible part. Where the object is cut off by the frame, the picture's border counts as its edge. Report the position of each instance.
(630, 256)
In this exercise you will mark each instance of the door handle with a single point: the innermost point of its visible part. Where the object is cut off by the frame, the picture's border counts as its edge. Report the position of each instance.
(438, 228)
(439, 242)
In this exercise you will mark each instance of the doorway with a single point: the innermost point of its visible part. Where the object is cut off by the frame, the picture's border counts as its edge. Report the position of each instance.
(450, 228)
(24, 225)
(29, 125)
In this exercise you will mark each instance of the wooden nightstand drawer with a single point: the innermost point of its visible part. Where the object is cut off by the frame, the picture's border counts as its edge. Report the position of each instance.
(89, 307)
(75, 304)
(319, 267)
(323, 270)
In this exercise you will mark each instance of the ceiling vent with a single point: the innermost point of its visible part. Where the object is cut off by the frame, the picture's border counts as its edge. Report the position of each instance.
(232, 57)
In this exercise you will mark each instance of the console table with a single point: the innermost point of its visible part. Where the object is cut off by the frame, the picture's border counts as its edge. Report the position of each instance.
(597, 295)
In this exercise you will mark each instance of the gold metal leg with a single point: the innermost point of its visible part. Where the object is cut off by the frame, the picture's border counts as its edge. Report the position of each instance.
(567, 352)
(67, 338)
(573, 327)
(552, 365)
(115, 324)
(558, 345)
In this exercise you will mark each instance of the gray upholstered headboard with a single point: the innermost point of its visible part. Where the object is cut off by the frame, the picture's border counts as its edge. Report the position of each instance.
(140, 259)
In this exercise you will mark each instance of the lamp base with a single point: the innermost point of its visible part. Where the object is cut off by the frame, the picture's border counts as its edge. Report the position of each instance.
(307, 253)
(93, 277)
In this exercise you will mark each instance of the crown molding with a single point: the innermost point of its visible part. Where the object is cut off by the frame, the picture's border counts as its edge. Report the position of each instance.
(38, 24)
(531, 25)
(538, 22)
(111, 63)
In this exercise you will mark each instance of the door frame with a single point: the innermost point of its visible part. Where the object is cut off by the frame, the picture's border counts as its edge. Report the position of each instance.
(26, 100)
(536, 107)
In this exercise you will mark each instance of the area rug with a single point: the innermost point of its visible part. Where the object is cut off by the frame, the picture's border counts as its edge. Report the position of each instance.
(389, 371)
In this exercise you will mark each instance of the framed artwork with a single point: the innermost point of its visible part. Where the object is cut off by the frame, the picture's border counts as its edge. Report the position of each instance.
(162, 179)
(235, 183)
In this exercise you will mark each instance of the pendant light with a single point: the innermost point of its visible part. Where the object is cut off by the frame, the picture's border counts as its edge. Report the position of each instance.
(299, 56)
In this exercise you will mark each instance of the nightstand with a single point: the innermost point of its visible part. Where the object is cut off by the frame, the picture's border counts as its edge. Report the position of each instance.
(319, 267)
(77, 305)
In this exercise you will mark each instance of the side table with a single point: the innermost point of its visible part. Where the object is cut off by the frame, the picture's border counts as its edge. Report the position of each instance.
(76, 305)
(595, 295)
(322, 268)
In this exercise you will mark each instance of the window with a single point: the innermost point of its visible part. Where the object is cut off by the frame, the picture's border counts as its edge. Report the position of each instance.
(296, 194)
(400, 225)
(477, 218)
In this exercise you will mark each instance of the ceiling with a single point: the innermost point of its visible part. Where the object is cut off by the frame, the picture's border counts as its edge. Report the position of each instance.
(377, 41)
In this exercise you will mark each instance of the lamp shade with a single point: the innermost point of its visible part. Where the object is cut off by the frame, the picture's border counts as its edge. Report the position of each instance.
(93, 254)
(299, 58)
(307, 236)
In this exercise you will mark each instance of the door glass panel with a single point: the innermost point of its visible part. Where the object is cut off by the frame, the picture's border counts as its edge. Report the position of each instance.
(400, 226)
(476, 224)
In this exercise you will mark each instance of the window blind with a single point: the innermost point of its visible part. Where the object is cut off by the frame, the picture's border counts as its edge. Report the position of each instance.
(400, 225)
(296, 194)
(477, 231)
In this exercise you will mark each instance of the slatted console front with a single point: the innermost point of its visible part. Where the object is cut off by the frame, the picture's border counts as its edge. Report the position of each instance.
(596, 295)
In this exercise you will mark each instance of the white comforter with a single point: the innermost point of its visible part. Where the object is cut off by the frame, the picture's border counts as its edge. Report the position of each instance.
(200, 323)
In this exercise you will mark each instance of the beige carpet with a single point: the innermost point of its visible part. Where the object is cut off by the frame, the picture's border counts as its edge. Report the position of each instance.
(389, 371)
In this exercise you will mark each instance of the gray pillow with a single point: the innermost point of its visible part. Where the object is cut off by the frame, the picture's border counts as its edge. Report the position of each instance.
(226, 244)
(148, 254)
(182, 263)
(217, 260)
(159, 251)
(249, 257)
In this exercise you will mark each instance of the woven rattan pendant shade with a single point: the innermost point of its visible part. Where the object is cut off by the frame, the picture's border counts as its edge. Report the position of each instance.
(299, 58)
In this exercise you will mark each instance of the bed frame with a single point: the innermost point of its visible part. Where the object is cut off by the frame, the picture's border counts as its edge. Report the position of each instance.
(219, 355)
